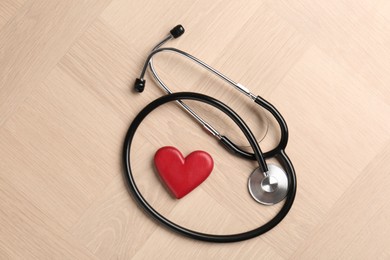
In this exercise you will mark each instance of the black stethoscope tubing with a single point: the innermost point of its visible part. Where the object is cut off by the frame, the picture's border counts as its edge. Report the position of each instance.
(283, 134)
(278, 152)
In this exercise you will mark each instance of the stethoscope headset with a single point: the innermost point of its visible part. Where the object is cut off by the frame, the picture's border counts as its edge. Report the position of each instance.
(268, 184)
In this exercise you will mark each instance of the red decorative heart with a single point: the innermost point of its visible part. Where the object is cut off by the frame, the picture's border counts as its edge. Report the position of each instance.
(180, 174)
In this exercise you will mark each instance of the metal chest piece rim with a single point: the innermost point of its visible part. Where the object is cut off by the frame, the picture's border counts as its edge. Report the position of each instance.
(268, 189)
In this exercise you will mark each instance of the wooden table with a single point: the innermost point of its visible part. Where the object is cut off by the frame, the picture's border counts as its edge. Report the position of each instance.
(66, 74)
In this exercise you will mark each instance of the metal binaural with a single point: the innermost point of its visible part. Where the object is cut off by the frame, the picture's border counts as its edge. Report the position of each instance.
(163, 86)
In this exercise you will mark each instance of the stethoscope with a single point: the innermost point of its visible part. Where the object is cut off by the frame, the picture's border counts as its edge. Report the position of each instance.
(268, 184)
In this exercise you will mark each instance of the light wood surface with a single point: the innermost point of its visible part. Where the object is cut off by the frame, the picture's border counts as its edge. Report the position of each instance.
(66, 73)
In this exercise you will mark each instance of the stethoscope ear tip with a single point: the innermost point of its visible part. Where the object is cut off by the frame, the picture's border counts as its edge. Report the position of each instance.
(139, 85)
(177, 31)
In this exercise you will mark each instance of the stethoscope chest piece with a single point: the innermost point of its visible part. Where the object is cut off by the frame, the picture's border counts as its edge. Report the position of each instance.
(270, 188)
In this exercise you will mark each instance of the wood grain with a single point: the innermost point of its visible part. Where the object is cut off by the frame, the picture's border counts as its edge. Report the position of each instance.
(66, 70)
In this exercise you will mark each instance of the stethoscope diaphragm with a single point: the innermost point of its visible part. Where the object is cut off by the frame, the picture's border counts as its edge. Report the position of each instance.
(269, 188)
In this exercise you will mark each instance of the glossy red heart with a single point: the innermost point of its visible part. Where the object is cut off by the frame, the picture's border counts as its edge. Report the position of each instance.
(182, 175)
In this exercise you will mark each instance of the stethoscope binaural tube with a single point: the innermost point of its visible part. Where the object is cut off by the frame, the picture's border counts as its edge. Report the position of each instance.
(281, 155)
(139, 86)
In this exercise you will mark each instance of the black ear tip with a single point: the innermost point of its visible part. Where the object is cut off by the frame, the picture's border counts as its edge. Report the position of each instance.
(139, 85)
(177, 31)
